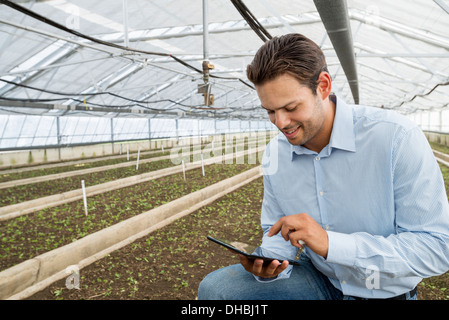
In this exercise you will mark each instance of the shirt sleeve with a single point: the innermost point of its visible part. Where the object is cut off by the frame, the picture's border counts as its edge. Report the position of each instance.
(271, 213)
(419, 247)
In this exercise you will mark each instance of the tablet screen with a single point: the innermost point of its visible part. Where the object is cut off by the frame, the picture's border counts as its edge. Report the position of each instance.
(252, 252)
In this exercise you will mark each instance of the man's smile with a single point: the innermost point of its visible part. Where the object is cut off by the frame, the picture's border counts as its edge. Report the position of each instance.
(291, 132)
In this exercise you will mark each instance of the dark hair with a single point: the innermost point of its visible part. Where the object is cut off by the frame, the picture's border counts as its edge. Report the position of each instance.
(292, 53)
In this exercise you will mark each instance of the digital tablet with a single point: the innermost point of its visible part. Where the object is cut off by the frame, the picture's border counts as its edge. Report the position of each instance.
(255, 255)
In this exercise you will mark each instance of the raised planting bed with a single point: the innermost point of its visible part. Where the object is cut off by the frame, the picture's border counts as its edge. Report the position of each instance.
(64, 167)
(170, 262)
(21, 193)
(27, 236)
(439, 147)
(60, 167)
(26, 278)
(26, 207)
(28, 192)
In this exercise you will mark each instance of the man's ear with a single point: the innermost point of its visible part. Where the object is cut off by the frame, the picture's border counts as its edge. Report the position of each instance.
(324, 87)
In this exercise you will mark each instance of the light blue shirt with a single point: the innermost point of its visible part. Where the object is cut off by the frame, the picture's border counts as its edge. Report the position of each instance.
(376, 189)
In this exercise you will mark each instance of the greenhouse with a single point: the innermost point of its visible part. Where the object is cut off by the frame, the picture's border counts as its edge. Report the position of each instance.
(130, 131)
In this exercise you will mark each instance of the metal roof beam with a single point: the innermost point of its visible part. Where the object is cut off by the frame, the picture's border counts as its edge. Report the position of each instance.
(11, 106)
(278, 16)
(404, 61)
(421, 61)
(403, 55)
(399, 78)
(214, 28)
(53, 53)
(400, 28)
(109, 81)
(442, 5)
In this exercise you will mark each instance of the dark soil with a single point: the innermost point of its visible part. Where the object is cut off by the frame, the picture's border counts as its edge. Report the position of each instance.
(99, 161)
(170, 263)
(33, 234)
(32, 191)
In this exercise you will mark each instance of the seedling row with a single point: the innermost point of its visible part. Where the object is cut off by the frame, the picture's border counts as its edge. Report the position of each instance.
(33, 234)
(36, 171)
(170, 262)
(27, 192)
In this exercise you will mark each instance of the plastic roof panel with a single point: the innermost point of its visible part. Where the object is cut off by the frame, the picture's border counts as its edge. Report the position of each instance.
(401, 49)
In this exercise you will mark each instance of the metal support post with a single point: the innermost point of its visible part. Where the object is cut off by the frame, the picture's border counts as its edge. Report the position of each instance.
(58, 137)
(112, 135)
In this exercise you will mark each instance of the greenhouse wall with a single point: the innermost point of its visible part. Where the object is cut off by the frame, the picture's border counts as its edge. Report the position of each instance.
(18, 132)
(435, 125)
(46, 139)
(437, 121)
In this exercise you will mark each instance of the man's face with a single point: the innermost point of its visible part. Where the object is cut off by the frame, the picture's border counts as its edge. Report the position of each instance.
(293, 109)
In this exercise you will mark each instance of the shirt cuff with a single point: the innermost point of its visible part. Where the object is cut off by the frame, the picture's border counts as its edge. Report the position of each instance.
(342, 248)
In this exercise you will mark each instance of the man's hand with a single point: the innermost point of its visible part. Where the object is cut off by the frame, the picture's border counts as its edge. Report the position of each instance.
(302, 227)
(256, 267)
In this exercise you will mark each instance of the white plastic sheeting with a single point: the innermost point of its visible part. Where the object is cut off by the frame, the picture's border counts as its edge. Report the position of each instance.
(48, 75)
(20, 131)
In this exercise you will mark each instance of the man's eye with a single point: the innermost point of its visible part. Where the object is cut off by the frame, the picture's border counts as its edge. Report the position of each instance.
(270, 111)
(291, 109)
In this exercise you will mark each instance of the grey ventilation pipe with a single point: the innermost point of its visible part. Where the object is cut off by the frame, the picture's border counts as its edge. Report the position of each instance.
(334, 14)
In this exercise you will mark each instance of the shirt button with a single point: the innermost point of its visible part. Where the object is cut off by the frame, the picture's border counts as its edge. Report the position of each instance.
(321, 193)
(343, 282)
(327, 227)
(317, 158)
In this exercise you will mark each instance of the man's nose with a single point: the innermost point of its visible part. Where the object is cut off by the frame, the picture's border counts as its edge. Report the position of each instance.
(282, 119)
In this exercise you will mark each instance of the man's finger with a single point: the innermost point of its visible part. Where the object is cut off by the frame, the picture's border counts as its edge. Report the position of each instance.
(271, 268)
(282, 266)
(285, 232)
(258, 266)
(275, 228)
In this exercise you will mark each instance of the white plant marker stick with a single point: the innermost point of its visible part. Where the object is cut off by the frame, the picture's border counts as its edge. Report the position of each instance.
(183, 169)
(127, 152)
(138, 156)
(162, 148)
(202, 164)
(84, 197)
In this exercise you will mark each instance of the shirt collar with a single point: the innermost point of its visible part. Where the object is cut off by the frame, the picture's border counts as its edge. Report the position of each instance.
(342, 136)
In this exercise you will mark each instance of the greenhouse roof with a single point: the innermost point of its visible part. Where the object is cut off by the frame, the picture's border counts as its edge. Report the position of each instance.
(145, 58)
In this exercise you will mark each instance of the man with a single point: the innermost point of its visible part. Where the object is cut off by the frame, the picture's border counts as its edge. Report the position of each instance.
(358, 185)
